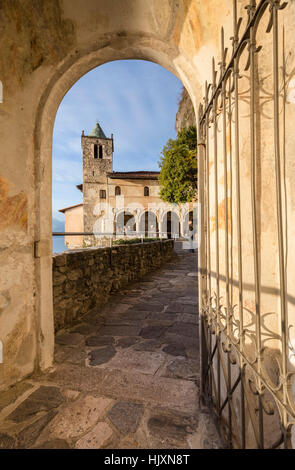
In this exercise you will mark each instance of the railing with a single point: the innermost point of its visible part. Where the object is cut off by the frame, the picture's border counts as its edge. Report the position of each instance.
(246, 373)
(188, 241)
(140, 234)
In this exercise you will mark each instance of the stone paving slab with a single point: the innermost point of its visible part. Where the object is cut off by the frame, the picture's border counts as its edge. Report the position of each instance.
(101, 356)
(13, 393)
(126, 416)
(143, 362)
(69, 339)
(78, 417)
(7, 441)
(43, 399)
(148, 345)
(97, 438)
(119, 330)
(182, 368)
(185, 329)
(135, 314)
(170, 427)
(174, 393)
(99, 340)
(127, 341)
(69, 354)
(28, 436)
(54, 444)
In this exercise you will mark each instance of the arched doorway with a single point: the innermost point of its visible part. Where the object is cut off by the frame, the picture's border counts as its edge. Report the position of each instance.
(148, 225)
(125, 224)
(171, 225)
(190, 223)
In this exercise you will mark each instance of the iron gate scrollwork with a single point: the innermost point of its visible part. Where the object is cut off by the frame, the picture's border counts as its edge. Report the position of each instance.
(248, 384)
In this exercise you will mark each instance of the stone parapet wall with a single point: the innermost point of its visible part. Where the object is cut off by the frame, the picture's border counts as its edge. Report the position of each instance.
(84, 279)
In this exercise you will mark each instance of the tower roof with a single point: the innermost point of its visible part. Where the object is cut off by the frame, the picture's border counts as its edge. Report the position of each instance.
(97, 132)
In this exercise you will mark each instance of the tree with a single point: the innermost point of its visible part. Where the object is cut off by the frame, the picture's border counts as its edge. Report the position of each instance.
(179, 168)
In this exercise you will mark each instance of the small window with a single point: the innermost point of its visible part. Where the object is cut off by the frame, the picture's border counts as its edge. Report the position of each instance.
(146, 191)
(117, 191)
(102, 194)
(95, 150)
(100, 151)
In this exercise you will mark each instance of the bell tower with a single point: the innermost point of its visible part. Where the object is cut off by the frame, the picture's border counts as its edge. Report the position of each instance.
(97, 155)
(97, 163)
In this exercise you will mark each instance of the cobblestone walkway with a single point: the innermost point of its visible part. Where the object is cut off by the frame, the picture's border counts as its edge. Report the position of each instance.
(127, 377)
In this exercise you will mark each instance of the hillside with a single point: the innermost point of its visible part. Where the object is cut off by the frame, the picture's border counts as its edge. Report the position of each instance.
(185, 116)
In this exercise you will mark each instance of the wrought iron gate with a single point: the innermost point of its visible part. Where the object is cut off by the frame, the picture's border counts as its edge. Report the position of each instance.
(246, 372)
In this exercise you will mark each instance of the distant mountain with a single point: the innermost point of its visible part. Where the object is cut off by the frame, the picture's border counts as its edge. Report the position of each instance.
(58, 225)
(185, 116)
(58, 243)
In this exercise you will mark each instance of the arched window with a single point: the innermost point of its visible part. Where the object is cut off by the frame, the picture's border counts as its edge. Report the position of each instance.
(146, 191)
(100, 151)
(95, 151)
(117, 191)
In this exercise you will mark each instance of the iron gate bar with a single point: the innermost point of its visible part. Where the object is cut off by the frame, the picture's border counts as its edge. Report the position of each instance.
(226, 251)
(214, 74)
(201, 257)
(213, 319)
(253, 50)
(236, 73)
(274, 13)
(226, 379)
(252, 418)
(241, 44)
(210, 374)
(231, 391)
(210, 363)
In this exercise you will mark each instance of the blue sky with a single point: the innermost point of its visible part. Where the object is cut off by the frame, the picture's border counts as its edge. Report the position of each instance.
(135, 100)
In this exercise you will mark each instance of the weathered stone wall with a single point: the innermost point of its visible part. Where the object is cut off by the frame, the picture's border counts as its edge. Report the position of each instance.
(84, 279)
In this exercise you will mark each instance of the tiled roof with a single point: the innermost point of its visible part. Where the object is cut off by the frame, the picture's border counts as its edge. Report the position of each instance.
(70, 207)
(134, 175)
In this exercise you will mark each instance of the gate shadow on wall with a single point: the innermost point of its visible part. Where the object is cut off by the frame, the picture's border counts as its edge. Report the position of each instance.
(247, 339)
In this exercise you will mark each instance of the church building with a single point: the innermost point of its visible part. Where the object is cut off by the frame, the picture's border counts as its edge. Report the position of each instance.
(120, 204)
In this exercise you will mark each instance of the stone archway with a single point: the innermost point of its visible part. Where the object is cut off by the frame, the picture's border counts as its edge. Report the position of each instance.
(129, 47)
(148, 224)
(36, 72)
(171, 224)
(125, 223)
(37, 69)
